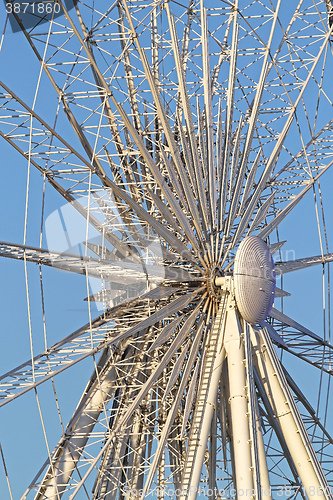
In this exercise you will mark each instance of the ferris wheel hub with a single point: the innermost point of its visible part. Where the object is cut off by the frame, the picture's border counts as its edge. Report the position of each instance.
(214, 280)
(254, 279)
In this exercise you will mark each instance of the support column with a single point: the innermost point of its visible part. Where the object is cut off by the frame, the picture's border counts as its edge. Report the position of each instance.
(260, 471)
(212, 458)
(287, 415)
(238, 406)
(266, 493)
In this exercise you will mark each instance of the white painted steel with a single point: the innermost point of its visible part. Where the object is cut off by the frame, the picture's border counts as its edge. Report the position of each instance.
(238, 406)
(61, 470)
(266, 490)
(209, 407)
(262, 487)
(254, 279)
(288, 417)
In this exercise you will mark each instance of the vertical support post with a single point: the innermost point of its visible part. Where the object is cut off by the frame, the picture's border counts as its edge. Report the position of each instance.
(212, 458)
(249, 461)
(261, 479)
(238, 405)
(266, 492)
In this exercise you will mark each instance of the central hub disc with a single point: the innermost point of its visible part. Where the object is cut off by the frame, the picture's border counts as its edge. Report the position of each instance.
(254, 279)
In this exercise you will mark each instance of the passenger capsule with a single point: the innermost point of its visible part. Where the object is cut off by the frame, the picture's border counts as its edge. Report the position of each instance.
(254, 279)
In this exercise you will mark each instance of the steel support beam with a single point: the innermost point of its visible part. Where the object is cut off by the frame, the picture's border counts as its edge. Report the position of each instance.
(69, 452)
(202, 438)
(287, 415)
(241, 439)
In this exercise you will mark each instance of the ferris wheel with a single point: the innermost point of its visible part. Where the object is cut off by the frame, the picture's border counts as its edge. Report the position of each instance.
(170, 145)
